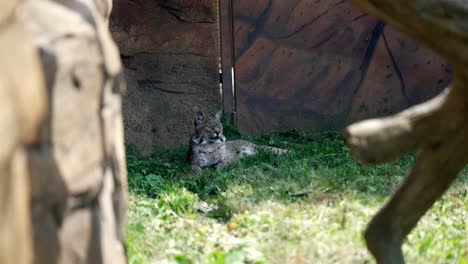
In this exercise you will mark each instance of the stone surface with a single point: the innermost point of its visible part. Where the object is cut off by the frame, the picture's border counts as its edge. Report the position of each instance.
(170, 54)
(77, 168)
(319, 65)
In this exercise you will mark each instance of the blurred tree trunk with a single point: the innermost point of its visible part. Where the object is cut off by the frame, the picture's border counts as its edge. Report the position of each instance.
(22, 106)
(62, 163)
(438, 127)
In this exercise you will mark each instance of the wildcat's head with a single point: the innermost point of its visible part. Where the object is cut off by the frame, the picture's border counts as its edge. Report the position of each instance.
(208, 130)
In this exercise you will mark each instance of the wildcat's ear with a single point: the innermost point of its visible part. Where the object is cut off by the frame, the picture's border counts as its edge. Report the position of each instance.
(219, 114)
(199, 118)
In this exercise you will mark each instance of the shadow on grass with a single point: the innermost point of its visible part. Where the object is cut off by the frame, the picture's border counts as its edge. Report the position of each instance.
(318, 195)
(319, 164)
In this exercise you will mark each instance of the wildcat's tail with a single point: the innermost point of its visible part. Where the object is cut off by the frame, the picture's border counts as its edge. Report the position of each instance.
(278, 151)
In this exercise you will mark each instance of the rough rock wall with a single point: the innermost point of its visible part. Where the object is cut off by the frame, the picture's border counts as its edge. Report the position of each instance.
(77, 166)
(318, 65)
(22, 107)
(169, 51)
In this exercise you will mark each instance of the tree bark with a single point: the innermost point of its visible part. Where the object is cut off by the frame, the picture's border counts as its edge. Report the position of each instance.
(22, 108)
(77, 169)
(438, 127)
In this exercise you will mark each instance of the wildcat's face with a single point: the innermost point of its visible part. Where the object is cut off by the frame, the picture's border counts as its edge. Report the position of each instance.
(208, 130)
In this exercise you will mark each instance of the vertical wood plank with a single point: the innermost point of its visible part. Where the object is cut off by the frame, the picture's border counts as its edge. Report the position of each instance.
(227, 60)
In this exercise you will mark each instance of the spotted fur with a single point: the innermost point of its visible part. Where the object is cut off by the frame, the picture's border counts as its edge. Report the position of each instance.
(208, 145)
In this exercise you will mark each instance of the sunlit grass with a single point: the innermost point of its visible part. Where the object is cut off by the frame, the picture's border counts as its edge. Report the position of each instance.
(308, 207)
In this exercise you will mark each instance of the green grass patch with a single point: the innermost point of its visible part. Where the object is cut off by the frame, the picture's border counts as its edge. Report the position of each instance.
(307, 207)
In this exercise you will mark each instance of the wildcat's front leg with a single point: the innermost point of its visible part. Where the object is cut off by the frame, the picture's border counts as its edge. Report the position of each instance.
(196, 169)
(220, 165)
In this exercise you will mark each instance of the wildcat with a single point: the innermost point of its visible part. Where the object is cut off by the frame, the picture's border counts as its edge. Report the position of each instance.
(208, 145)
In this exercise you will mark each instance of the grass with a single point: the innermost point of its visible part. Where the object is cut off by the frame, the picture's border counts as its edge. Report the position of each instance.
(308, 207)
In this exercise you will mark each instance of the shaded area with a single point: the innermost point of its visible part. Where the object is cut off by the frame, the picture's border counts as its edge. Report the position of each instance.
(170, 54)
(319, 162)
(315, 202)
